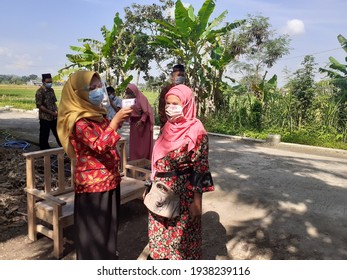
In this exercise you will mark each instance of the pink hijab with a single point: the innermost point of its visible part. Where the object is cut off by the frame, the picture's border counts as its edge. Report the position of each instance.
(175, 135)
(142, 103)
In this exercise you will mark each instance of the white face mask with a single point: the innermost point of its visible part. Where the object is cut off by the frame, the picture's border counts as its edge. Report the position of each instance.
(173, 112)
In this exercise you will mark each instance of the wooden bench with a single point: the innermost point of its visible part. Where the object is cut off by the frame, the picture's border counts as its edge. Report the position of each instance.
(138, 168)
(50, 192)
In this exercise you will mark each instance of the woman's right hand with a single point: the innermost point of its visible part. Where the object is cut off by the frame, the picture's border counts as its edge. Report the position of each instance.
(120, 117)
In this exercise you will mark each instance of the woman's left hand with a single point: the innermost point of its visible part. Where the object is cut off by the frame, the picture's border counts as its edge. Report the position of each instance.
(195, 209)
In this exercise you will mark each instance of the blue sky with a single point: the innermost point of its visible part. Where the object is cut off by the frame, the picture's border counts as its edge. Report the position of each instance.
(35, 35)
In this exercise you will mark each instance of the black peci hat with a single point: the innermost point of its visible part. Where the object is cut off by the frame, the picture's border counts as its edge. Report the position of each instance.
(178, 67)
(46, 76)
(110, 89)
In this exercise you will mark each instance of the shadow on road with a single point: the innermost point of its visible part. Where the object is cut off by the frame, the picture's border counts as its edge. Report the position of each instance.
(279, 205)
(269, 203)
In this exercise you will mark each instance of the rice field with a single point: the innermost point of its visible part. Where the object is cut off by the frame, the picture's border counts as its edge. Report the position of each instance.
(23, 96)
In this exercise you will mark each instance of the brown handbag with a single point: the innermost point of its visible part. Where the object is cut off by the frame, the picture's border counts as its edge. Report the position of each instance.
(162, 201)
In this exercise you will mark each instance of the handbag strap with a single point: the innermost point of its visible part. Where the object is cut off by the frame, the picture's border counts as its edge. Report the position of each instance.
(173, 173)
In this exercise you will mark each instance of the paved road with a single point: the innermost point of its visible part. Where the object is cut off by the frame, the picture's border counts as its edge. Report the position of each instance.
(271, 202)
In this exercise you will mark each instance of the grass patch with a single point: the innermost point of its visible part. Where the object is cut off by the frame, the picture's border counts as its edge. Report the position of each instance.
(21, 96)
(311, 137)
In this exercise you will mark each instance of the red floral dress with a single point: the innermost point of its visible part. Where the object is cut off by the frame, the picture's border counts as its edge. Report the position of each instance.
(97, 160)
(179, 238)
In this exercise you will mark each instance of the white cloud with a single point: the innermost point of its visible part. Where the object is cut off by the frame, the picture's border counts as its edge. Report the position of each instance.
(25, 58)
(12, 60)
(21, 62)
(295, 27)
(5, 52)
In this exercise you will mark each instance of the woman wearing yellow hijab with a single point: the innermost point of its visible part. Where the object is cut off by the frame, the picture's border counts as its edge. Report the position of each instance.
(90, 138)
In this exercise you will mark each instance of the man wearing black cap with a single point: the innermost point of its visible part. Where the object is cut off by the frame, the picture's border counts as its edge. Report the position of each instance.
(177, 77)
(48, 111)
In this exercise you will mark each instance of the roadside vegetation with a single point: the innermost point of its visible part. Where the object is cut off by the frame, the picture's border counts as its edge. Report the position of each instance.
(227, 68)
(236, 122)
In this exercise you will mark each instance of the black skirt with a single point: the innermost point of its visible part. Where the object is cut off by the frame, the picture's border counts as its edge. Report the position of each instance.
(96, 225)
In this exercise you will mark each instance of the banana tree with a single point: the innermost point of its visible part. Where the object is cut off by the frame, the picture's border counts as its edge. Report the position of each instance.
(337, 71)
(190, 38)
(96, 55)
(223, 52)
(88, 58)
(338, 75)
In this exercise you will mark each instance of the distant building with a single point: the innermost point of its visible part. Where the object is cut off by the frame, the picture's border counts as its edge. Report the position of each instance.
(34, 83)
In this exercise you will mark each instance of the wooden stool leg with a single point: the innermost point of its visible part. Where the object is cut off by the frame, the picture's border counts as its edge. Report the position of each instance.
(58, 238)
(32, 232)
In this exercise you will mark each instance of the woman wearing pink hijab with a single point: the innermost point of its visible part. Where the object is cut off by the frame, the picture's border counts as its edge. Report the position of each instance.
(141, 125)
(180, 159)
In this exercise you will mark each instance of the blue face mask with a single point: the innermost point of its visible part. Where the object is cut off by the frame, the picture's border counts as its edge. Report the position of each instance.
(48, 85)
(96, 96)
(180, 80)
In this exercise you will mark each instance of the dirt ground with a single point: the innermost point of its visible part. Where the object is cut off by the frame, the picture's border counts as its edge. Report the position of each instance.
(271, 202)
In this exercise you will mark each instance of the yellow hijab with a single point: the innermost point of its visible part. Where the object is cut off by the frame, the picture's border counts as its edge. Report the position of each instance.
(75, 105)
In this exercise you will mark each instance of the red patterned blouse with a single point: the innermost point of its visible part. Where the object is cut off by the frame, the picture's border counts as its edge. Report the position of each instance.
(97, 160)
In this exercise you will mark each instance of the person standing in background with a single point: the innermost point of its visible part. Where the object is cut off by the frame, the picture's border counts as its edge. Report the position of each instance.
(141, 125)
(177, 77)
(115, 103)
(48, 111)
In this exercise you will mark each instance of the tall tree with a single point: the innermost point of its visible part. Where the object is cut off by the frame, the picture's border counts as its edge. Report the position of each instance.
(260, 49)
(302, 86)
(136, 22)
